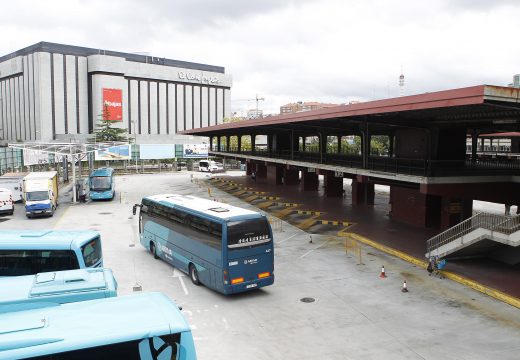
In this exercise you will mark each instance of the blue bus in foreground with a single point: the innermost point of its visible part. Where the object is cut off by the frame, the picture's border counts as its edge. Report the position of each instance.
(144, 326)
(101, 184)
(26, 252)
(58, 287)
(226, 248)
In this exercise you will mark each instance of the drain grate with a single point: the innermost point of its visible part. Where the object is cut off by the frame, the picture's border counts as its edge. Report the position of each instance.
(307, 300)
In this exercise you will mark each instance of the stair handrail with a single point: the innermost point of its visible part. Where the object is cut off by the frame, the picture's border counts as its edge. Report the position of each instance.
(509, 226)
(479, 220)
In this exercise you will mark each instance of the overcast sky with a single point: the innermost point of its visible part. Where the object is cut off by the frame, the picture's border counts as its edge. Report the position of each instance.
(294, 50)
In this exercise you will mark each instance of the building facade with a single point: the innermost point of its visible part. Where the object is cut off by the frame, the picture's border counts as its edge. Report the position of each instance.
(55, 92)
(303, 106)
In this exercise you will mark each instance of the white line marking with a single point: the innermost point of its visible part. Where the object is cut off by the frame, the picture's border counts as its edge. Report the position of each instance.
(308, 252)
(284, 240)
(183, 286)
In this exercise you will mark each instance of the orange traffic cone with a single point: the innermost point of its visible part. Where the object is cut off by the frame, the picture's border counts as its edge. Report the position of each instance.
(382, 275)
(405, 288)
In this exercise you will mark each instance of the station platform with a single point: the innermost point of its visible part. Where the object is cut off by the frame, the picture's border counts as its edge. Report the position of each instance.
(373, 223)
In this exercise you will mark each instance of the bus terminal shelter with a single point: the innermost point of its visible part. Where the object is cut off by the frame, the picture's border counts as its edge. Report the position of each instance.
(433, 178)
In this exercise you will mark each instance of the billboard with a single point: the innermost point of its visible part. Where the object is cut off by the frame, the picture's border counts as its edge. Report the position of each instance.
(121, 152)
(148, 152)
(35, 157)
(113, 104)
(195, 150)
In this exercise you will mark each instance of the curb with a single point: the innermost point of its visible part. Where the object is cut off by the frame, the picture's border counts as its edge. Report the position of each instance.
(494, 293)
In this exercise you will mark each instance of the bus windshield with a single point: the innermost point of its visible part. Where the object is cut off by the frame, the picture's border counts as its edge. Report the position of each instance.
(100, 183)
(248, 233)
(37, 195)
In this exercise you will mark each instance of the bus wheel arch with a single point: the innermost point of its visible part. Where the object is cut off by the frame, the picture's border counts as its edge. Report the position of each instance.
(194, 274)
(153, 250)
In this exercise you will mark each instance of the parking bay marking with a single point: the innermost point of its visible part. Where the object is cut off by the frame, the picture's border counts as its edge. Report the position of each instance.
(180, 275)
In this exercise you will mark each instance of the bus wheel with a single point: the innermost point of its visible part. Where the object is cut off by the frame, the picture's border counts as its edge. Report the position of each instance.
(194, 275)
(152, 250)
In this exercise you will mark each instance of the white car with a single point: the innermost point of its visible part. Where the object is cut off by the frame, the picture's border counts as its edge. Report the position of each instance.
(210, 166)
(6, 201)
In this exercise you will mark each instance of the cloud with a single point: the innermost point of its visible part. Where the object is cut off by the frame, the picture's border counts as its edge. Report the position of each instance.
(286, 51)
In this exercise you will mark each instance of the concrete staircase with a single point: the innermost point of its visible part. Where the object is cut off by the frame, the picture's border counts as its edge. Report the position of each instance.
(482, 234)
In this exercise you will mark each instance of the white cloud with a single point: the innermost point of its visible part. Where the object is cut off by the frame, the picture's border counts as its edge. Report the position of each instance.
(327, 50)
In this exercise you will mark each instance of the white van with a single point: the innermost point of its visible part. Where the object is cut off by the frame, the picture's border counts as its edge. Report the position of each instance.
(210, 166)
(6, 201)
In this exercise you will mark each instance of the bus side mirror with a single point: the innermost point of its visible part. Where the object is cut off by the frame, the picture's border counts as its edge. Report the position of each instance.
(134, 209)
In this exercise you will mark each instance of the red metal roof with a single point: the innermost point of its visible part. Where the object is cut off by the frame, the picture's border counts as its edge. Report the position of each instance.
(474, 95)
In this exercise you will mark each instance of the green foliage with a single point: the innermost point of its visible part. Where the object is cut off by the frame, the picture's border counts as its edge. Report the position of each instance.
(106, 132)
(379, 145)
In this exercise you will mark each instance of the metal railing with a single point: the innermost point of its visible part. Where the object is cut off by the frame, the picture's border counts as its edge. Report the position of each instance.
(397, 165)
(493, 222)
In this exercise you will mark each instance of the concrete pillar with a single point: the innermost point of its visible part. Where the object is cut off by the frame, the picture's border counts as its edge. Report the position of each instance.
(474, 144)
(211, 143)
(339, 144)
(333, 185)
(310, 181)
(454, 211)
(391, 139)
(239, 143)
(227, 143)
(249, 168)
(253, 143)
(275, 174)
(362, 192)
(291, 176)
(323, 146)
(261, 171)
(218, 144)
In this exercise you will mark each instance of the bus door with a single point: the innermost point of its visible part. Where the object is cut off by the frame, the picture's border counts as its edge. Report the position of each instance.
(249, 249)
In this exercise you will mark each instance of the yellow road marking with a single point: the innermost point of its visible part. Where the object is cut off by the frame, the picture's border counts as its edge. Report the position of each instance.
(497, 294)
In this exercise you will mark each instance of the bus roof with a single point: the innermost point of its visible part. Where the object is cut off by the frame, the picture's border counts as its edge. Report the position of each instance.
(41, 175)
(56, 286)
(204, 206)
(66, 327)
(104, 171)
(44, 239)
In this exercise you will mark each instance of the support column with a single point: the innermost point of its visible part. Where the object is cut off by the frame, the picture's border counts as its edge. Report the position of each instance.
(227, 143)
(253, 143)
(261, 171)
(474, 144)
(339, 144)
(362, 192)
(249, 168)
(211, 143)
(454, 211)
(310, 181)
(239, 144)
(391, 139)
(333, 185)
(218, 143)
(291, 176)
(275, 174)
(323, 146)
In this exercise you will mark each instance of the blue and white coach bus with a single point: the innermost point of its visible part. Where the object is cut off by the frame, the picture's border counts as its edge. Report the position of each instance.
(226, 248)
(102, 184)
(145, 326)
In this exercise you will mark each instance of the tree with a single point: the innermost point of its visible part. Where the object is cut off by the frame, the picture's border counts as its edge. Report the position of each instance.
(106, 132)
(233, 141)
